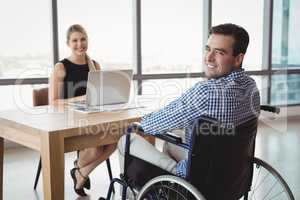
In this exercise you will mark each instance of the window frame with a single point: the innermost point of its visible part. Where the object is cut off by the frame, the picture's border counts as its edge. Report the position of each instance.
(267, 69)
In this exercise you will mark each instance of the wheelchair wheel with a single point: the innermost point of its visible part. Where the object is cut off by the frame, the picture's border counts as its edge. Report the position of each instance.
(268, 184)
(169, 187)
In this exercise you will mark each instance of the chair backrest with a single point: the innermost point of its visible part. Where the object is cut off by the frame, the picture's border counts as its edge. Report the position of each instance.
(220, 163)
(40, 97)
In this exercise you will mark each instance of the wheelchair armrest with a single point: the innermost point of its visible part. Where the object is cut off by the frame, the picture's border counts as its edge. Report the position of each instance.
(168, 137)
(268, 108)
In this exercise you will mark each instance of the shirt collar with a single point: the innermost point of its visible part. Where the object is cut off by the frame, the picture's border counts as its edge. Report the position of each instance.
(236, 74)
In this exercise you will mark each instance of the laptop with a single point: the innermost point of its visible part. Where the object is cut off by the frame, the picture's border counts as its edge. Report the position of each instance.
(106, 91)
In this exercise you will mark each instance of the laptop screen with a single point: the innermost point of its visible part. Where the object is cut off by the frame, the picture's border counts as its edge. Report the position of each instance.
(108, 87)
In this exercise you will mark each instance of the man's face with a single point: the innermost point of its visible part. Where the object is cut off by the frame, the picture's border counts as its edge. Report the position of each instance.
(219, 59)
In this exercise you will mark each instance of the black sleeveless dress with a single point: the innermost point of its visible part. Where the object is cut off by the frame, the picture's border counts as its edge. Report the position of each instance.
(75, 81)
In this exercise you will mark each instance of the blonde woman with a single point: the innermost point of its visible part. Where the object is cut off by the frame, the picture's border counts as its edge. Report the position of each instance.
(68, 82)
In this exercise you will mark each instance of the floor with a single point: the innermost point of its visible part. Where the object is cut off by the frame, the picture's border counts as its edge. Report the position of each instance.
(278, 143)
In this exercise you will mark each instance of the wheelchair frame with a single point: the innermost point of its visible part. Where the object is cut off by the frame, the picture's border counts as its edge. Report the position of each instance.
(198, 195)
(126, 182)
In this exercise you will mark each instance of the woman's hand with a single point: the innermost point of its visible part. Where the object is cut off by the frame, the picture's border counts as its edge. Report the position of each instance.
(74, 99)
(70, 100)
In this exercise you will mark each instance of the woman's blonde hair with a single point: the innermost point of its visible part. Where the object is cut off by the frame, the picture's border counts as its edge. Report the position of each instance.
(78, 28)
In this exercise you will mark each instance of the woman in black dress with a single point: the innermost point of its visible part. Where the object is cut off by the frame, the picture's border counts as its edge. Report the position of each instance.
(68, 82)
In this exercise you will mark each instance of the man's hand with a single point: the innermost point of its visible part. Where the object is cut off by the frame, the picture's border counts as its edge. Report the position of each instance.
(136, 128)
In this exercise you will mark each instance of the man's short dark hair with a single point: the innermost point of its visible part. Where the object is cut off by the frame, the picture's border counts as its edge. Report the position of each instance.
(240, 35)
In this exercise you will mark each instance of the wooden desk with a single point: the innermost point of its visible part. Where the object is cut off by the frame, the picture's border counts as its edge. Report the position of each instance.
(53, 131)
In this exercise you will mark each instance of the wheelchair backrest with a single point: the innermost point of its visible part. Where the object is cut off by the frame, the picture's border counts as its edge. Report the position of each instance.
(220, 162)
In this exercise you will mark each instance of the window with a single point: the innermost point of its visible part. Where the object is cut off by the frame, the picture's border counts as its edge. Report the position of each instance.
(286, 44)
(249, 15)
(159, 92)
(276, 33)
(294, 40)
(109, 28)
(171, 36)
(260, 83)
(25, 39)
(285, 89)
(17, 96)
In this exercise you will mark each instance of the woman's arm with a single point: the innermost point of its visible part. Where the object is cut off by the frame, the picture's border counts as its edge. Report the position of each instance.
(56, 82)
(56, 86)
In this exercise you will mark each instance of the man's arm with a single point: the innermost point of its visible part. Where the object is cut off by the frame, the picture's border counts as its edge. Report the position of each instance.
(179, 113)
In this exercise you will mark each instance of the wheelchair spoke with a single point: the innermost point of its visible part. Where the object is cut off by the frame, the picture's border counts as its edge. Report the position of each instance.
(267, 184)
(259, 182)
(256, 181)
(265, 177)
(254, 198)
(270, 190)
(156, 194)
(276, 195)
(167, 191)
(163, 188)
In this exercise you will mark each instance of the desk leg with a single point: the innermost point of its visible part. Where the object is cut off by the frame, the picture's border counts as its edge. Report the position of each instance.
(1, 167)
(53, 163)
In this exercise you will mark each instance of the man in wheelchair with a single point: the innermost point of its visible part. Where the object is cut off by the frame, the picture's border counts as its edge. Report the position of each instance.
(226, 105)
(229, 96)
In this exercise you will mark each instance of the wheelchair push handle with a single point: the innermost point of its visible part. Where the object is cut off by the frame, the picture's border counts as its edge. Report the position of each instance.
(272, 109)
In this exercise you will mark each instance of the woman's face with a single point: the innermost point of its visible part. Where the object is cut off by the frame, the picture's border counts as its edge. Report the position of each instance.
(78, 43)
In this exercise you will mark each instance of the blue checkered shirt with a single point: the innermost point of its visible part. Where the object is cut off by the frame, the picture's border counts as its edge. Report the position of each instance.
(231, 99)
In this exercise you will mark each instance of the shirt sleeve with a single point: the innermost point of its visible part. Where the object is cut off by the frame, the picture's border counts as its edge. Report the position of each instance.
(179, 113)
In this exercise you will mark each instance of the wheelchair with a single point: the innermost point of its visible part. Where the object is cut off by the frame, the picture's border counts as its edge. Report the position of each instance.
(221, 166)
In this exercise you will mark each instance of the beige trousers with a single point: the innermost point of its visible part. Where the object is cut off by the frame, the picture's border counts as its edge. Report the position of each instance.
(141, 148)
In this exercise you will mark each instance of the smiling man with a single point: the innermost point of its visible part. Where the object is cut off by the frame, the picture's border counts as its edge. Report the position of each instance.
(225, 50)
(229, 95)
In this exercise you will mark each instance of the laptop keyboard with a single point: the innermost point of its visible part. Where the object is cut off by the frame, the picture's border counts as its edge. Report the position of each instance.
(104, 108)
(78, 103)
